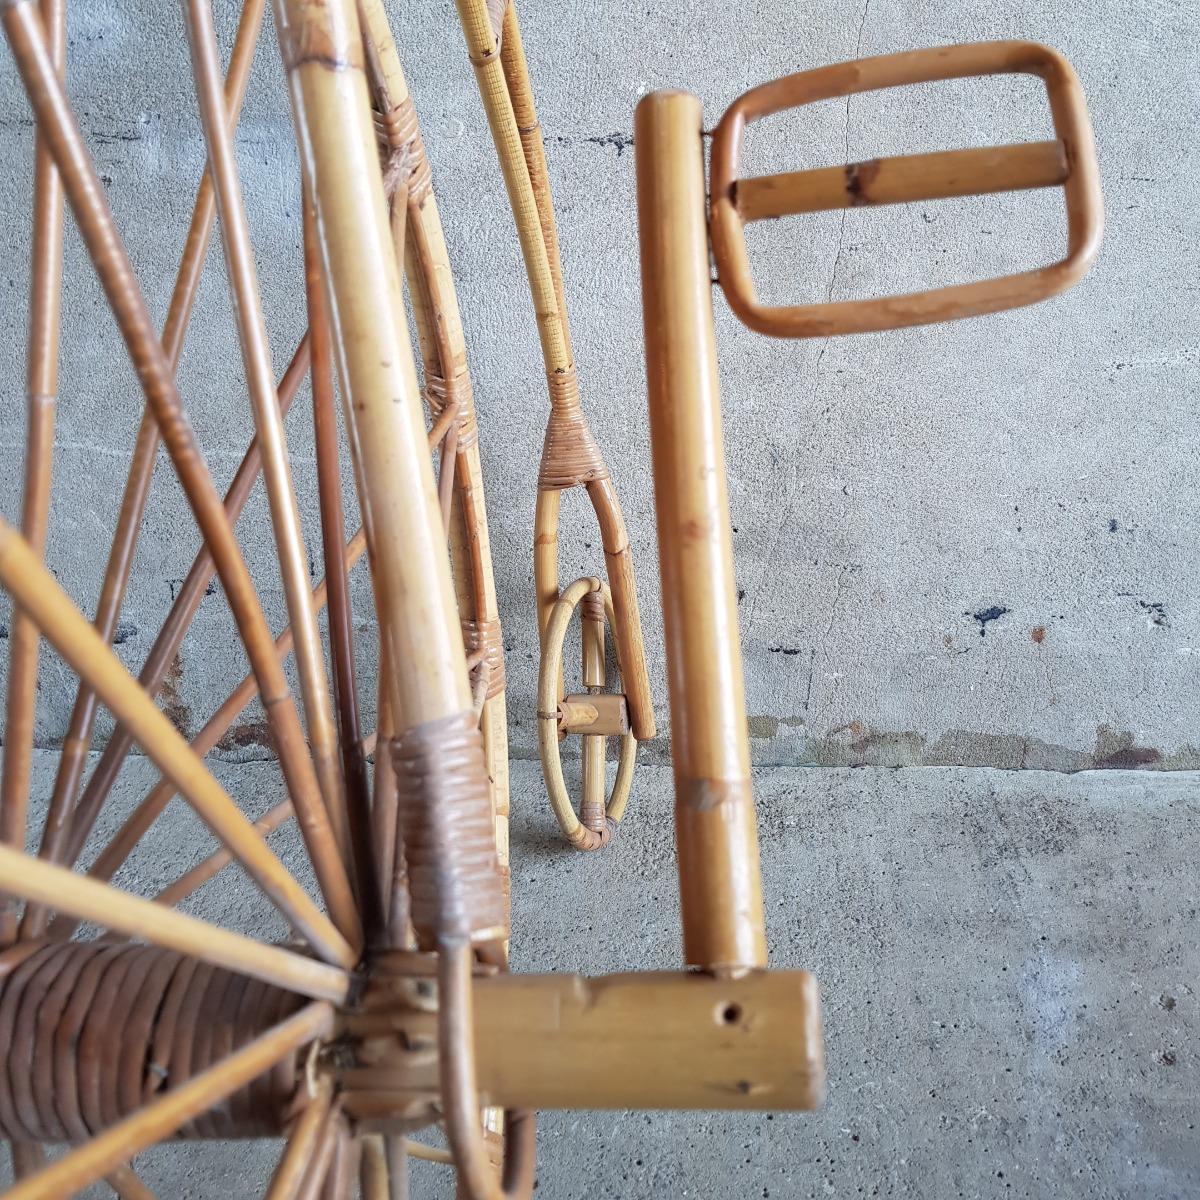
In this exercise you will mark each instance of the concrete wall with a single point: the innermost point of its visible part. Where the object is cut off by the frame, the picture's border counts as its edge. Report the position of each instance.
(970, 544)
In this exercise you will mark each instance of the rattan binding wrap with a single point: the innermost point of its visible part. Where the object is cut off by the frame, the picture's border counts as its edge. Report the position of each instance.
(441, 393)
(97, 1029)
(405, 160)
(570, 454)
(446, 832)
(486, 637)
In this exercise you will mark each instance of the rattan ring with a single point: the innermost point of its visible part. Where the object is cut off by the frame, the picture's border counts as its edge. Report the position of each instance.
(578, 834)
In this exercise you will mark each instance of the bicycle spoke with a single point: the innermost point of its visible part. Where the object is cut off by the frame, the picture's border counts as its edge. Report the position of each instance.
(65, 627)
(144, 815)
(127, 1185)
(66, 830)
(162, 1118)
(137, 485)
(341, 624)
(41, 388)
(112, 264)
(301, 1141)
(143, 919)
(256, 358)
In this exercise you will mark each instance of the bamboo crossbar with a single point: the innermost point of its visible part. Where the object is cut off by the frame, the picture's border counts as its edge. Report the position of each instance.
(158, 1121)
(904, 179)
(36, 590)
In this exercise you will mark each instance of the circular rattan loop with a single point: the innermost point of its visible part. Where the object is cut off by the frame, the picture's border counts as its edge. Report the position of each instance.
(549, 673)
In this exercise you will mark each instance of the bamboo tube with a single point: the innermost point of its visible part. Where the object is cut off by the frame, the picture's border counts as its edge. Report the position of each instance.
(127, 1185)
(277, 475)
(341, 622)
(137, 485)
(66, 830)
(162, 1118)
(373, 1177)
(41, 392)
(416, 610)
(301, 1141)
(35, 589)
(443, 349)
(321, 1159)
(112, 264)
(143, 919)
(904, 179)
(721, 893)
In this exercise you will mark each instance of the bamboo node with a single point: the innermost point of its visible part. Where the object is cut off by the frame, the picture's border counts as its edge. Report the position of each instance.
(446, 832)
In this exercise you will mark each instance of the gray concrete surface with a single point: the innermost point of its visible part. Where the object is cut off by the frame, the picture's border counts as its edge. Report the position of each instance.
(973, 544)
(1007, 962)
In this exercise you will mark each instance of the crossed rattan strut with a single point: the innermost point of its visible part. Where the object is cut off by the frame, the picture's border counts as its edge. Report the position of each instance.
(393, 1010)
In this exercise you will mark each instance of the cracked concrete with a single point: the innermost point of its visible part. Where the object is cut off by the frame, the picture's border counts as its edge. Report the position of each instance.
(884, 488)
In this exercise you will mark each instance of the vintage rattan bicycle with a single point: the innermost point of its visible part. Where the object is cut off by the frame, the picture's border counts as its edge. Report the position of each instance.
(123, 1021)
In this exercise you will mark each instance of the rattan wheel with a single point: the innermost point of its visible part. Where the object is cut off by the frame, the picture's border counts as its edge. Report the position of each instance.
(597, 820)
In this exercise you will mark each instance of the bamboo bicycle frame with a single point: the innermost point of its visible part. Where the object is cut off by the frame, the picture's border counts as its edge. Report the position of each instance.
(397, 1010)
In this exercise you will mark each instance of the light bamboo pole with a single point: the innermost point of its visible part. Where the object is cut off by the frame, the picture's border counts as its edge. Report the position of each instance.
(260, 379)
(35, 589)
(41, 395)
(67, 829)
(301, 1141)
(721, 891)
(437, 318)
(146, 921)
(90, 206)
(159, 1120)
(417, 614)
(127, 1185)
(60, 830)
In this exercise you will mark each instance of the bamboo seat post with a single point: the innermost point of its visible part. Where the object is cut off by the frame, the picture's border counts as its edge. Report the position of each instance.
(715, 830)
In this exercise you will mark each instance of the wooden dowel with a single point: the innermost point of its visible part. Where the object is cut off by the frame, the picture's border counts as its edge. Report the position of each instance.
(191, 881)
(67, 829)
(301, 1141)
(904, 179)
(63, 832)
(94, 220)
(144, 920)
(277, 475)
(127, 1185)
(162, 1118)
(721, 892)
(341, 617)
(34, 588)
(41, 392)
(322, 1158)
